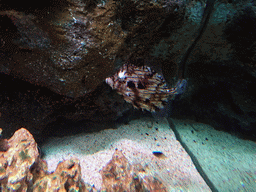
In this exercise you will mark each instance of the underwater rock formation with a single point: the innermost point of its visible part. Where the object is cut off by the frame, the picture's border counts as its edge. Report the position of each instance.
(120, 175)
(64, 52)
(221, 72)
(17, 162)
(67, 176)
(35, 107)
(22, 169)
(72, 46)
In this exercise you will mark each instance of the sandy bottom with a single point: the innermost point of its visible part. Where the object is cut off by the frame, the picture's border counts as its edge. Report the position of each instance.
(137, 140)
(228, 161)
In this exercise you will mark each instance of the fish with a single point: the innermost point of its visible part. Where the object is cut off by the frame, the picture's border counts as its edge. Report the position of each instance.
(143, 87)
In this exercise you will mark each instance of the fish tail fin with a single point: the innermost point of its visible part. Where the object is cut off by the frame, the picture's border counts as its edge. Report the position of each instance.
(181, 86)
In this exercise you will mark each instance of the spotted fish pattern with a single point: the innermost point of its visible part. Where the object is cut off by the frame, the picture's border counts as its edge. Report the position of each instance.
(143, 87)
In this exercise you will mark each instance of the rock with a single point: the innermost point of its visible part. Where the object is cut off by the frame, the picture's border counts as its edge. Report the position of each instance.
(40, 170)
(152, 184)
(67, 176)
(219, 54)
(120, 175)
(65, 51)
(35, 107)
(221, 72)
(17, 162)
(75, 46)
(21, 168)
(26, 105)
(3, 143)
